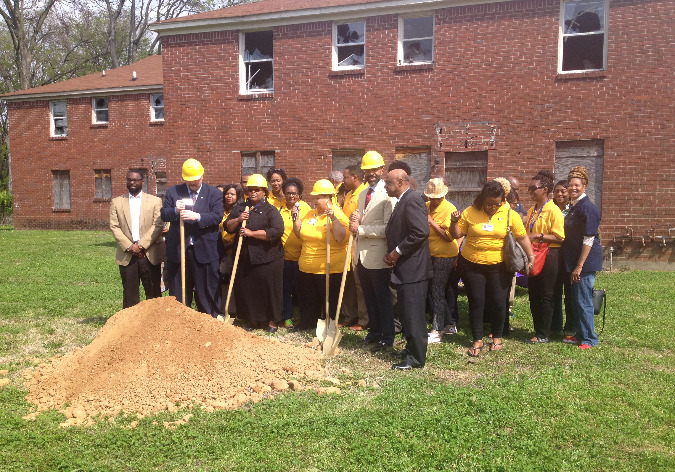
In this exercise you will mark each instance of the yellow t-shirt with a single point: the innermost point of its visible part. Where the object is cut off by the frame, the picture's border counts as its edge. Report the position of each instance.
(485, 235)
(313, 236)
(227, 237)
(291, 243)
(549, 221)
(352, 200)
(438, 246)
(278, 203)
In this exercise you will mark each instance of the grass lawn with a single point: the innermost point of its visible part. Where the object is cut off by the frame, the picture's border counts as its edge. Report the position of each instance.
(543, 407)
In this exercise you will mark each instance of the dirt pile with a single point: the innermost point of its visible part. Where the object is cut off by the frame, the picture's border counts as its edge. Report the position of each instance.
(159, 355)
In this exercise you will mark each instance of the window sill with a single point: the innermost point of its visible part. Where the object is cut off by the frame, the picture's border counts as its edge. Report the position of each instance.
(99, 125)
(347, 72)
(156, 122)
(58, 138)
(414, 67)
(102, 200)
(581, 75)
(247, 97)
(60, 210)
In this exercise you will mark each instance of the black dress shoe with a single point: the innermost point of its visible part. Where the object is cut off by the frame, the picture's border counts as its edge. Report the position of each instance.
(401, 366)
(380, 346)
(272, 329)
(367, 341)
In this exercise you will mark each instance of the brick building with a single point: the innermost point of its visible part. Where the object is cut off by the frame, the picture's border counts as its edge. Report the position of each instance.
(468, 90)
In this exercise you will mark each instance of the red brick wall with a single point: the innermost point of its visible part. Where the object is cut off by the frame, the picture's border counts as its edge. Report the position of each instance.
(493, 63)
(128, 140)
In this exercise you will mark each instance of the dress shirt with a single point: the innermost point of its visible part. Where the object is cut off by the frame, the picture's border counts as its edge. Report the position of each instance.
(135, 210)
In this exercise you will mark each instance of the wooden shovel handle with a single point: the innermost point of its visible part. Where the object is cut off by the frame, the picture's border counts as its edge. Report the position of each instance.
(344, 276)
(234, 271)
(327, 269)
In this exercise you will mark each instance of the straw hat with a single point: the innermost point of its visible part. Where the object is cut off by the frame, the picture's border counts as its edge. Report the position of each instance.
(435, 188)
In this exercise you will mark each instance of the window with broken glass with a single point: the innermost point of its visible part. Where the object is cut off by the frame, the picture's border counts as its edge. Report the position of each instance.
(157, 107)
(256, 162)
(59, 118)
(584, 35)
(416, 40)
(102, 184)
(99, 107)
(257, 61)
(349, 45)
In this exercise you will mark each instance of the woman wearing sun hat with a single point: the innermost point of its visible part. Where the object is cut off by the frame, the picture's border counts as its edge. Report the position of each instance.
(444, 250)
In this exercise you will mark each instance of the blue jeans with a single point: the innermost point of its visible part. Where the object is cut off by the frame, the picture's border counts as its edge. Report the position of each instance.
(582, 304)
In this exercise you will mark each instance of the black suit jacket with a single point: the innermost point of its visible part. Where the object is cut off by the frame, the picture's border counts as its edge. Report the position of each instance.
(205, 233)
(408, 229)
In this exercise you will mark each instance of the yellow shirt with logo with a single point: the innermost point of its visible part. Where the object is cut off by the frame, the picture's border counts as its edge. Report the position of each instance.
(438, 246)
(485, 235)
(313, 236)
(227, 237)
(352, 200)
(291, 243)
(549, 221)
(278, 203)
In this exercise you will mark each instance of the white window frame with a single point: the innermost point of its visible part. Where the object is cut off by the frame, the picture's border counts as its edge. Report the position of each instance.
(94, 109)
(243, 86)
(562, 36)
(335, 45)
(52, 119)
(401, 40)
(154, 108)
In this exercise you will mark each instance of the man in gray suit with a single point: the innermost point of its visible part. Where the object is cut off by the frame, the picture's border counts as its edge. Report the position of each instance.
(137, 226)
(369, 223)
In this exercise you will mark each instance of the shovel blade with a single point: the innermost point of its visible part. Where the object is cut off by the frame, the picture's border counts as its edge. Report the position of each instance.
(331, 333)
(321, 330)
(329, 349)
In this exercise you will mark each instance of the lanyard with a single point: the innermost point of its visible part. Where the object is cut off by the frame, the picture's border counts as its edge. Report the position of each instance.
(533, 219)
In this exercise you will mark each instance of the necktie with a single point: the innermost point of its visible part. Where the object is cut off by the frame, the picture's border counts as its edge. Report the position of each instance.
(194, 197)
(369, 195)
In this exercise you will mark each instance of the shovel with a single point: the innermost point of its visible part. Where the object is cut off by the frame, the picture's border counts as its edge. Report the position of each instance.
(321, 324)
(334, 335)
(234, 271)
(182, 260)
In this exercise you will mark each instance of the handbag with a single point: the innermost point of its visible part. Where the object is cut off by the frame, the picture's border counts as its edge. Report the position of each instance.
(540, 252)
(514, 256)
(600, 304)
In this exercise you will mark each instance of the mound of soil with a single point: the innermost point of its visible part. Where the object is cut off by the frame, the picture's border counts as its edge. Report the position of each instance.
(159, 355)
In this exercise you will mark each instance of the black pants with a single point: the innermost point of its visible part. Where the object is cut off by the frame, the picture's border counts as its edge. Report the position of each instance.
(542, 291)
(312, 292)
(412, 298)
(140, 271)
(202, 279)
(487, 288)
(562, 280)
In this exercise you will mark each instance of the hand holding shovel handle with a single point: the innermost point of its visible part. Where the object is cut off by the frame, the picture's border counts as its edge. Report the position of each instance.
(234, 271)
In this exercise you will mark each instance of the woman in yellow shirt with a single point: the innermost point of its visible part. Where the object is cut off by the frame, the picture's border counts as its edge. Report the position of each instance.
(293, 189)
(232, 195)
(311, 230)
(481, 265)
(545, 224)
(444, 250)
(276, 179)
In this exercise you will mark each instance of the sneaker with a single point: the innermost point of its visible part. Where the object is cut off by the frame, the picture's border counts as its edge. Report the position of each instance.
(537, 340)
(570, 340)
(585, 346)
(434, 338)
(288, 324)
(450, 329)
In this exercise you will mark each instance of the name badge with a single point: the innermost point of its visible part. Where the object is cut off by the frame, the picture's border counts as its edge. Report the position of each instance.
(488, 227)
(312, 221)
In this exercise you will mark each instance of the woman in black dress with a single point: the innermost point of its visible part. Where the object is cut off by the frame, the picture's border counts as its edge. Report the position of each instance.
(258, 287)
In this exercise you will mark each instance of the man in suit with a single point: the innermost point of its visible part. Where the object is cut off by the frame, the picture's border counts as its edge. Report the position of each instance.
(408, 253)
(200, 206)
(369, 223)
(136, 225)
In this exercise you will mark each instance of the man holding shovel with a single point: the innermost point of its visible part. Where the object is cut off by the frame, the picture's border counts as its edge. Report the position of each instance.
(198, 208)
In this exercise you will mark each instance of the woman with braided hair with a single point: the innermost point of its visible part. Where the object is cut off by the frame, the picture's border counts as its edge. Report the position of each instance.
(481, 264)
(583, 257)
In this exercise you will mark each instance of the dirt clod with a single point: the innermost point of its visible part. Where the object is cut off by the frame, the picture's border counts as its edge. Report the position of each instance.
(160, 355)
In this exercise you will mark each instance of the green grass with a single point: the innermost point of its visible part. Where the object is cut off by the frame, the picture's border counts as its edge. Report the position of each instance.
(541, 408)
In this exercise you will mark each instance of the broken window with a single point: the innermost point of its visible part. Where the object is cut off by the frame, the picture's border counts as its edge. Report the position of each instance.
(258, 61)
(465, 175)
(61, 189)
(157, 107)
(256, 162)
(100, 109)
(349, 45)
(584, 34)
(416, 40)
(59, 121)
(103, 184)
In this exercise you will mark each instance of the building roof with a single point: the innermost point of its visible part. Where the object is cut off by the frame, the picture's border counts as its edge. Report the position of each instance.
(120, 80)
(278, 12)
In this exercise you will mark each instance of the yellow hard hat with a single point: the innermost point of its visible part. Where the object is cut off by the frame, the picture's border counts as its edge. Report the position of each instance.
(256, 180)
(192, 170)
(323, 187)
(372, 160)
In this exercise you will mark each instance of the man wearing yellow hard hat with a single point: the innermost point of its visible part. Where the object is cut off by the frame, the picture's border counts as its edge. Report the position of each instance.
(200, 206)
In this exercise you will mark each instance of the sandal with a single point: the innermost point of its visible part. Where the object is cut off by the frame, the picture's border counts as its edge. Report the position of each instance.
(496, 346)
(474, 351)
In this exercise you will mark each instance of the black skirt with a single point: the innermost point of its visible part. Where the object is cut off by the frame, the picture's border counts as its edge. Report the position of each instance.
(258, 290)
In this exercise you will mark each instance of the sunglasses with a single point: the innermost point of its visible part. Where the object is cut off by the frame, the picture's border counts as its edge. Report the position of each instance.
(533, 188)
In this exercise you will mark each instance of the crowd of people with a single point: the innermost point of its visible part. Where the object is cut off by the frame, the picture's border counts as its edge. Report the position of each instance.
(410, 249)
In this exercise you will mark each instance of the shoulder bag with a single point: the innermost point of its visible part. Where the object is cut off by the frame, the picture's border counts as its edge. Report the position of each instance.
(515, 258)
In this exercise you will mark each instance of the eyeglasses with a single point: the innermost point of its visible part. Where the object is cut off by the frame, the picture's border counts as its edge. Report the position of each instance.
(134, 180)
(291, 194)
(533, 188)
(254, 189)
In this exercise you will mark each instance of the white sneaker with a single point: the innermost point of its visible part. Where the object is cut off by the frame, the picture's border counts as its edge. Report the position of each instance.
(434, 338)
(450, 329)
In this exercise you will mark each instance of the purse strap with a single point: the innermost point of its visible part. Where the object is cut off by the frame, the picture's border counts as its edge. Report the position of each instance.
(508, 221)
